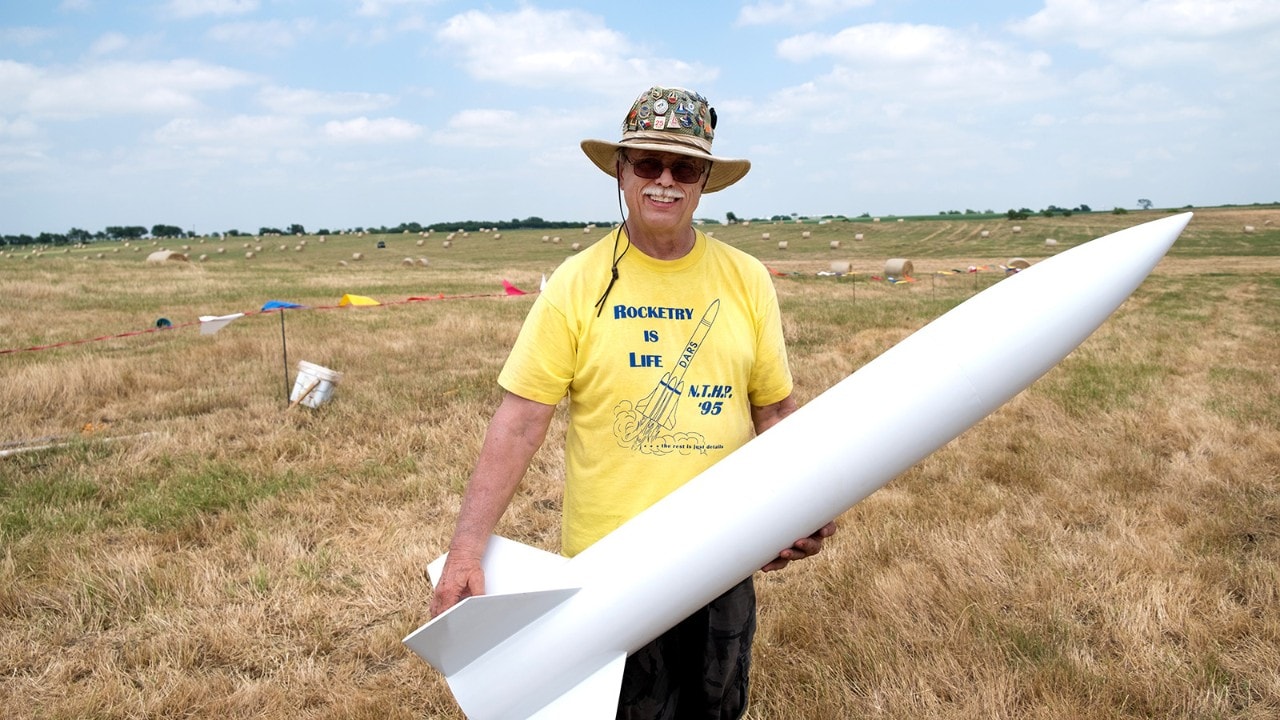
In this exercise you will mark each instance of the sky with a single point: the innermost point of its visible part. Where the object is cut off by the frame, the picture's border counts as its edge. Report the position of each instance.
(239, 114)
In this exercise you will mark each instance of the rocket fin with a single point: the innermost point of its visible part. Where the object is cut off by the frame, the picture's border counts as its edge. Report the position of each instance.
(509, 567)
(519, 588)
(464, 632)
(595, 698)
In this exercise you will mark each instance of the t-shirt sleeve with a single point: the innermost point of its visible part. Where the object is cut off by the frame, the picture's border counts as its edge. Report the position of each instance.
(771, 375)
(540, 366)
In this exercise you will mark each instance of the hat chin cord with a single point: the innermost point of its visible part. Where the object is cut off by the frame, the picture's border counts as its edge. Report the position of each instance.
(613, 270)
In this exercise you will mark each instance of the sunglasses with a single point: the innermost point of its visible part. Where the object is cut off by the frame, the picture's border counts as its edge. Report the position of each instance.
(682, 171)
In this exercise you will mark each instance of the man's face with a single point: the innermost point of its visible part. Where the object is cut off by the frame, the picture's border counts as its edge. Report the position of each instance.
(662, 203)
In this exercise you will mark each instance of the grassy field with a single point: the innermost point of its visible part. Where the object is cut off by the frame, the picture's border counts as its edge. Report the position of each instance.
(1107, 545)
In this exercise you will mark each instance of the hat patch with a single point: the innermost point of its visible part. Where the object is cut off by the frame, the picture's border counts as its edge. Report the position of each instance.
(671, 109)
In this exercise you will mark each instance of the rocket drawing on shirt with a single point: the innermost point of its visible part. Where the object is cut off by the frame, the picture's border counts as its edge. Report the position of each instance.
(650, 425)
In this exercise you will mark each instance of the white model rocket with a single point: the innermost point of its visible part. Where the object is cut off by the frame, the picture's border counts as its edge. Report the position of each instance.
(551, 637)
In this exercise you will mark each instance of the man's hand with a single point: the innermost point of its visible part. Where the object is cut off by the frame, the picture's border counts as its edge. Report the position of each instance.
(461, 578)
(803, 548)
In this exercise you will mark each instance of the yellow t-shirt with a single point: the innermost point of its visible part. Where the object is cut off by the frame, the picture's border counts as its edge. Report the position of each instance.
(660, 384)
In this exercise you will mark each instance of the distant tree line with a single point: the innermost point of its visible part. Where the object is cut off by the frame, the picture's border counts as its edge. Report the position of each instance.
(1024, 213)
(76, 236)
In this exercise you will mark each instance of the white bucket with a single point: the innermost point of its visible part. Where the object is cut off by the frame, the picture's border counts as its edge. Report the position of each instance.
(314, 384)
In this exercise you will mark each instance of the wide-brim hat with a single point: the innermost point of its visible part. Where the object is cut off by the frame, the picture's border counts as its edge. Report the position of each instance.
(671, 120)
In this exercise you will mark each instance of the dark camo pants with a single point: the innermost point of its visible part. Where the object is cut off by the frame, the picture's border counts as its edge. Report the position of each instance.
(697, 670)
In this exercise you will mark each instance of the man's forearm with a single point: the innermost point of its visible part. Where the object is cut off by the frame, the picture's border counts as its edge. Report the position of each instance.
(516, 432)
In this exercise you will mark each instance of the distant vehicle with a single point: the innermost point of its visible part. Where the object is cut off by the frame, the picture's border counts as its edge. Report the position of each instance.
(382, 244)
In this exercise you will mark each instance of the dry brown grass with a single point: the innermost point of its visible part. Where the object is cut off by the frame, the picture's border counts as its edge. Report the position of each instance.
(1105, 546)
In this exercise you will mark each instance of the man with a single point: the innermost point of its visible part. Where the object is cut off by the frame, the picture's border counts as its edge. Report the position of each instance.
(669, 346)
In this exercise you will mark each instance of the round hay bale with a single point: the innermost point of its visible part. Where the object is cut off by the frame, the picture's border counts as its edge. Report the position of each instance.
(546, 238)
(985, 234)
(576, 247)
(764, 236)
(497, 236)
(446, 244)
(1017, 228)
(1019, 264)
(805, 234)
(1248, 228)
(407, 262)
(342, 263)
(841, 266)
(782, 244)
(222, 251)
(163, 256)
(898, 267)
(203, 257)
(257, 248)
(419, 243)
(423, 262)
(835, 244)
(357, 256)
(297, 248)
(249, 255)
(555, 240)
(1050, 242)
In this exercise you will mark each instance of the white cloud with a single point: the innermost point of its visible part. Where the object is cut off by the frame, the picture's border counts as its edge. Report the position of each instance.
(19, 128)
(249, 139)
(1095, 22)
(24, 36)
(492, 128)
(266, 36)
(364, 130)
(198, 8)
(112, 88)
(237, 130)
(920, 64)
(795, 11)
(299, 101)
(1160, 32)
(108, 43)
(527, 48)
(379, 8)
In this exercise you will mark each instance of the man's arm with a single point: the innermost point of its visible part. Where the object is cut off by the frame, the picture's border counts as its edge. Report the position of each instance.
(515, 433)
(765, 417)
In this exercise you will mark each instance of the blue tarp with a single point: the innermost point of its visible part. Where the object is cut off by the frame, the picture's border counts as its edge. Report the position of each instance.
(279, 305)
